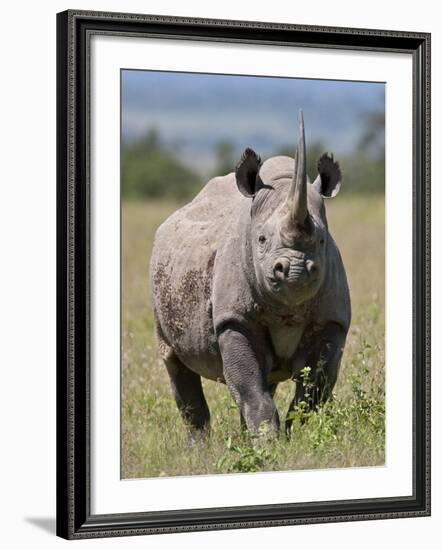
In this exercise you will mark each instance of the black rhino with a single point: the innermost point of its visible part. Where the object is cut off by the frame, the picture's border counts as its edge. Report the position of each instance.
(248, 287)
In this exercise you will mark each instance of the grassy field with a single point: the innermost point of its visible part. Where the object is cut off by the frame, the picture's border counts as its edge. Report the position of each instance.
(349, 431)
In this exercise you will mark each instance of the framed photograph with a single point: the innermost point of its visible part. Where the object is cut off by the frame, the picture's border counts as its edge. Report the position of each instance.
(243, 274)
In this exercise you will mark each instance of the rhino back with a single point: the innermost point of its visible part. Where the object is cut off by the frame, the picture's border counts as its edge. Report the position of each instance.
(181, 272)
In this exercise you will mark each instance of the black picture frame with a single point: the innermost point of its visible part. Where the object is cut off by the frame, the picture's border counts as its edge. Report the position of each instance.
(74, 518)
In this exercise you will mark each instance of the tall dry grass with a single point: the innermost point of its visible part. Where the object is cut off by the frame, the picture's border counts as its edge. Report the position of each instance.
(347, 432)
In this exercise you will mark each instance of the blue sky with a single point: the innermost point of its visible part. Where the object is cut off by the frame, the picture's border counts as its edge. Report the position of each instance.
(193, 112)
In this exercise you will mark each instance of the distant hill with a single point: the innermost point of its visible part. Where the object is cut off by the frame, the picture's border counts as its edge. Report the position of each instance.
(195, 112)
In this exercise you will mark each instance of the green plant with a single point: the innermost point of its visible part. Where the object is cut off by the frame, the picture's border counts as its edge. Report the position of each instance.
(251, 453)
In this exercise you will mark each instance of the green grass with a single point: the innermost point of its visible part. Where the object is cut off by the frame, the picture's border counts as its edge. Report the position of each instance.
(348, 431)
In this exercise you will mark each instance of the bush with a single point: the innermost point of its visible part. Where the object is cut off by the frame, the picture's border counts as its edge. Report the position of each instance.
(149, 170)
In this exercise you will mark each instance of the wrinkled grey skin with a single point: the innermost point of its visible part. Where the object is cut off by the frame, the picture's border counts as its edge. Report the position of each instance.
(248, 287)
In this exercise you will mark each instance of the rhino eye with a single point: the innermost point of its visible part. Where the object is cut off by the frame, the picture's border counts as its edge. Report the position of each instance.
(261, 239)
(321, 241)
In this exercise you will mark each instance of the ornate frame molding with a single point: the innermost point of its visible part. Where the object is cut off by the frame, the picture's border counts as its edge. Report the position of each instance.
(74, 29)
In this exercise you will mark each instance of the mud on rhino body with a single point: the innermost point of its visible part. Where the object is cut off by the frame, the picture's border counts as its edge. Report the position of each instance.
(248, 287)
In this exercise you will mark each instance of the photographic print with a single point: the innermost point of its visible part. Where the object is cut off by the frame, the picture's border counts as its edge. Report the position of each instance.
(243, 274)
(252, 274)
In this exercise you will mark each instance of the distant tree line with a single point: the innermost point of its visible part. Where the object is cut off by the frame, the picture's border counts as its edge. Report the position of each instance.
(151, 170)
(364, 169)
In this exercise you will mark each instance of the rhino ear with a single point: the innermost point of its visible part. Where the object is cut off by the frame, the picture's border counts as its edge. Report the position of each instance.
(246, 173)
(328, 182)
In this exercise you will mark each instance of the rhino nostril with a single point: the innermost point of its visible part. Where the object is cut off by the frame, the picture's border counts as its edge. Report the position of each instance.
(312, 268)
(280, 269)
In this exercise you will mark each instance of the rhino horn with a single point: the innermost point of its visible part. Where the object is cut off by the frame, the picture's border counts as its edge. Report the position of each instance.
(296, 204)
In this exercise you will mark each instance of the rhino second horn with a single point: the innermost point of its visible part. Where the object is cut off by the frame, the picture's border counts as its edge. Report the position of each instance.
(296, 204)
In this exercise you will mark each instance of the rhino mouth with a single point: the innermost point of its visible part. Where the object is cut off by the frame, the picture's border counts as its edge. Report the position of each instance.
(296, 275)
(294, 281)
(296, 271)
(286, 271)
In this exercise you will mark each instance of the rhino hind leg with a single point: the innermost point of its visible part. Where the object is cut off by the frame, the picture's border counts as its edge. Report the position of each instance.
(324, 361)
(189, 397)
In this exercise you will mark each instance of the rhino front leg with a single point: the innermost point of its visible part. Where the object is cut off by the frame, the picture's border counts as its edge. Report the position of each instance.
(245, 377)
(272, 390)
(324, 360)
